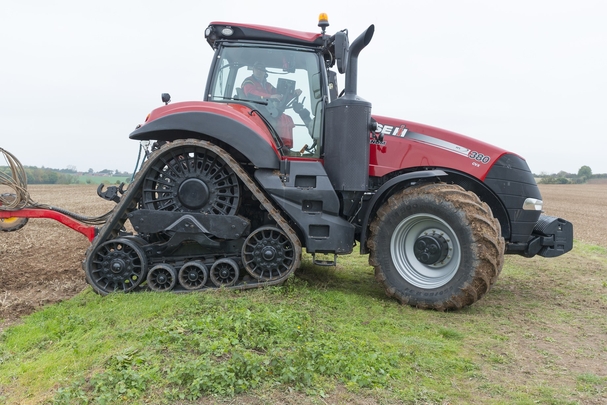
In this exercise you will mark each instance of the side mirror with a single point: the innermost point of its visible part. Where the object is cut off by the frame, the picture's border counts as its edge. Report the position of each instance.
(341, 46)
(166, 98)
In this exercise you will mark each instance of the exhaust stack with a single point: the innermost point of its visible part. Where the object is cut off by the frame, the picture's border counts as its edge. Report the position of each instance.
(347, 127)
(352, 67)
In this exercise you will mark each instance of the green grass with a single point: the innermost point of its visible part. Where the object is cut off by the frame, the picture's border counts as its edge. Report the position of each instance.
(325, 334)
(107, 180)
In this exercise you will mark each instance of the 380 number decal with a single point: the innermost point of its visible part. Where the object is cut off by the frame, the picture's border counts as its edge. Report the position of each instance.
(479, 157)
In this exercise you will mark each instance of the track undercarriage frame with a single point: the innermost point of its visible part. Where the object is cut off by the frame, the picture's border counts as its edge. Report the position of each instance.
(182, 244)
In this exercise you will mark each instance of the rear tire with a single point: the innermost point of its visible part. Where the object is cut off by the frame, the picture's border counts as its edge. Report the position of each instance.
(436, 246)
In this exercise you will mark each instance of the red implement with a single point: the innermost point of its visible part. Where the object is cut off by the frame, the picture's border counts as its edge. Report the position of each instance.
(89, 231)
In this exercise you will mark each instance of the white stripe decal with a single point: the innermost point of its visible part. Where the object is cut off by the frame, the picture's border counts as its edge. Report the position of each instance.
(439, 143)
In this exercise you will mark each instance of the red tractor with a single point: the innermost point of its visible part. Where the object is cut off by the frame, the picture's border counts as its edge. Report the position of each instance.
(275, 159)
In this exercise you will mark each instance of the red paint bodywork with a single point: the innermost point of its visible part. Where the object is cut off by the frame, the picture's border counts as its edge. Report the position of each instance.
(298, 35)
(236, 112)
(401, 151)
(398, 151)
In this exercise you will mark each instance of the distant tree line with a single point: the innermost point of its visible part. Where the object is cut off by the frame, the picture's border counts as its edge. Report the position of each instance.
(582, 176)
(69, 175)
(36, 175)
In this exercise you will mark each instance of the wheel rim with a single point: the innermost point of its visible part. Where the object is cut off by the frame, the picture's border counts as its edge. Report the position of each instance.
(117, 265)
(162, 277)
(224, 272)
(413, 248)
(191, 179)
(12, 224)
(267, 254)
(193, 275)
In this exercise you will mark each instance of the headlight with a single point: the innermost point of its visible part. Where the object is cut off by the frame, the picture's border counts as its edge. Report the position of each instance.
(533, 204)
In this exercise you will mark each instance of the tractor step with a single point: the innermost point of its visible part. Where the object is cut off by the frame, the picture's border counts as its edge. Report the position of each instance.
(322, 262)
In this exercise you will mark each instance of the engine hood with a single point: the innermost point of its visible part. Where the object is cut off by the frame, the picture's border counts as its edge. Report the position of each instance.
(400, 144)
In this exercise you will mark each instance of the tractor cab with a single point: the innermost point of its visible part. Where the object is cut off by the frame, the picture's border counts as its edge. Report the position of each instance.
(286, 87)
(294, 91)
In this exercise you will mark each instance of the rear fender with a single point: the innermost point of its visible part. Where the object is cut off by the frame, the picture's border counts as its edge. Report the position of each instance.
(256, 147)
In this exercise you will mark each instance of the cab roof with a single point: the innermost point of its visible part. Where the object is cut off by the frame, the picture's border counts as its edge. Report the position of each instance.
(250, 32)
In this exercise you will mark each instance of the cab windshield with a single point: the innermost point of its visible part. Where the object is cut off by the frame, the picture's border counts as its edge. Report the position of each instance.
(282, 84)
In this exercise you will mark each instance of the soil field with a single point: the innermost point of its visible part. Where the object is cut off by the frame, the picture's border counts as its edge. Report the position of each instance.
(41, 263)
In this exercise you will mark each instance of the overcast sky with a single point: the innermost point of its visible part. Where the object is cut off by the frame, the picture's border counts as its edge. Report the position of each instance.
(529, 76)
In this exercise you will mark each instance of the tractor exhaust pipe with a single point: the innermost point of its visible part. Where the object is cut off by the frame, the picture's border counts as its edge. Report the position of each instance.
(352, 65)
(347, 127)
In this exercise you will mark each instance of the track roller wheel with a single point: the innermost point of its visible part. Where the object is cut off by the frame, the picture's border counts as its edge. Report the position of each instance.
(116, 265)
(193, 275)
(162, 277)
(224, 272)
(267, 254)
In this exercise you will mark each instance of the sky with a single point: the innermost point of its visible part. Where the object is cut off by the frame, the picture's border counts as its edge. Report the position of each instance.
(528, 76)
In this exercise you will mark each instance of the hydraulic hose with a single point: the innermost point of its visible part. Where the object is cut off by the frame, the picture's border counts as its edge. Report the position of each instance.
(17, 181)
(20, 199)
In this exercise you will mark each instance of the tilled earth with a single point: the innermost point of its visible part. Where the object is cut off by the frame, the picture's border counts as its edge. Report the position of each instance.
(41, 263)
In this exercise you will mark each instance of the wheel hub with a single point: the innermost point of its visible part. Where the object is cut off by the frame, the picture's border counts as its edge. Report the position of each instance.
(224, 273)
(117, 266)
(193, 193)
(431, 248)
(268, 253)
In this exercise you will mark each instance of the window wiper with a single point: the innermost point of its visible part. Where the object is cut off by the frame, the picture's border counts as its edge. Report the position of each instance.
(241, 99)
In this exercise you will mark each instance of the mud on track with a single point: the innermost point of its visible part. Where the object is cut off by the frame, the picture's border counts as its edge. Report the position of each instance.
(41, 263)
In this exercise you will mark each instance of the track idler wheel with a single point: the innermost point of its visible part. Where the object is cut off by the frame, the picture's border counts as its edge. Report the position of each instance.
(224, 272)
(193, 275)
(118, 265)
(267, 254)
(162, 277)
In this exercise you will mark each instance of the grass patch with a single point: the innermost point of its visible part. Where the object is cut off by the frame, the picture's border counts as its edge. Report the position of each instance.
(325, 332)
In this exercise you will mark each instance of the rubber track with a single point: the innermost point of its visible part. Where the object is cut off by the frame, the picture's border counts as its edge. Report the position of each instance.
(128, 203)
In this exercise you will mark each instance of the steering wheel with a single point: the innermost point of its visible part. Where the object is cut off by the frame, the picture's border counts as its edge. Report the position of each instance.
(278, 106)
(294, 100)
